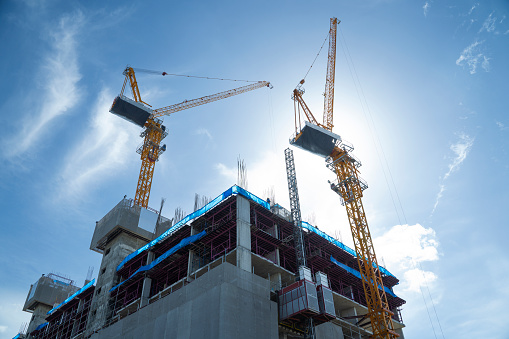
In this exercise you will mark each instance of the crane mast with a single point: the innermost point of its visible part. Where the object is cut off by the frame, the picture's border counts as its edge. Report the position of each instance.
(153, 129)
(330, 78)
(319, 139)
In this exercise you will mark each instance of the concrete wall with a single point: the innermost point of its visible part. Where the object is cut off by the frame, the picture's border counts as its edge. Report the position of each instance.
(328, 330)
(48, 290)
(119, 248)
(38, 316)
(226, 302)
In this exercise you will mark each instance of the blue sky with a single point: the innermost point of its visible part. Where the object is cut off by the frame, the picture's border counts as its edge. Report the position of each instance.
(425, 104)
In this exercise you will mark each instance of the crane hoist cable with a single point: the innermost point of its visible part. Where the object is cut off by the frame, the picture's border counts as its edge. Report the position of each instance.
(187, 76)
(140, 113)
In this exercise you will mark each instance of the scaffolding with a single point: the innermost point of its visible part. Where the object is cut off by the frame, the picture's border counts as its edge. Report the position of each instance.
(68, 319)
(207, 241)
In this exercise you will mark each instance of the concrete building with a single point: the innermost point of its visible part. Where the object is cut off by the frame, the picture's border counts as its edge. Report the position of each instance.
(227, 270)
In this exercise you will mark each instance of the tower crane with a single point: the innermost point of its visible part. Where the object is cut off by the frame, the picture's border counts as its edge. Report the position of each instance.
(318, 138)
(140, 113)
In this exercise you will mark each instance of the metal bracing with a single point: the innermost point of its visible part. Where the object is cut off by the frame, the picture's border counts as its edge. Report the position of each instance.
(295, 208)
(150, 151)
(350, 188)
(329, 80)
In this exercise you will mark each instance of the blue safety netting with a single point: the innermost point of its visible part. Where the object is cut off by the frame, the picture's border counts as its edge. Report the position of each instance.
(41, 326)
(183, 243)
(357, 274)
(17, 336)
(234, 190)
(339, 244)
(72, 296)
(328, 238)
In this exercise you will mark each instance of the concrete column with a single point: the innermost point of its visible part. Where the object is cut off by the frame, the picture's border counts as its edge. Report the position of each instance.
(243, 234)
(275, 282)
(147, 283)
(38, 316)
(115, 251)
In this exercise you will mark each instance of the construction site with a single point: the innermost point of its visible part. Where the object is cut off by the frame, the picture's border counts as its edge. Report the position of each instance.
(239, 265)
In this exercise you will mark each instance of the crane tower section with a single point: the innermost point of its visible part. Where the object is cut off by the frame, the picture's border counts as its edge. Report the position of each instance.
(295, 208)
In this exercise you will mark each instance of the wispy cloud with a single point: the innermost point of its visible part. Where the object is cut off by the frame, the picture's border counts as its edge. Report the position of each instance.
(489, 24)
(426, 8)
(228, 173)
(100, 154)
(474, 6)
(472, 56)
(460, 149)
(501, 126)
(60, 92)
(415, 244)
(204, 132)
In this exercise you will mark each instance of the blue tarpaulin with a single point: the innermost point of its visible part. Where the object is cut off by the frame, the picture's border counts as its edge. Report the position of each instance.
(234, 190)
(338, 244)
(41, 326)
(183, 243)
(72, 296)
(357, 274)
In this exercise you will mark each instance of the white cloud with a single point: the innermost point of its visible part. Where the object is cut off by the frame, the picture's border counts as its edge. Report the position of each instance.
(203, 131)
(501, 126)
(403, 248)
(473, 7)
(417, 278)
(489, 24)
(461, 149)
(426, 8)
(60, 92)
(101, 153)
(472, 56)
(486, 63)
(229, 173)
(3, 328)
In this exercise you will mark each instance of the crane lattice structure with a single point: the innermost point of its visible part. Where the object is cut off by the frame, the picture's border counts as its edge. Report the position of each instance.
(318, 138)
(295, 208)
(140, 113)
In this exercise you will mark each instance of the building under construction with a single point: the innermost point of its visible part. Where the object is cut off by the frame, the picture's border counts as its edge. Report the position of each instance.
(227, 270)
(238, 266)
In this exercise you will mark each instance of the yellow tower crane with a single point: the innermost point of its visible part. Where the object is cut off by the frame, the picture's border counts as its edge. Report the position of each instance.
(140, 113)
(318, 138)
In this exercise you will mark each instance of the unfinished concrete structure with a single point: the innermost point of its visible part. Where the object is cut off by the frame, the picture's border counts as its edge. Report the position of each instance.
(49, 290)
(226, 270)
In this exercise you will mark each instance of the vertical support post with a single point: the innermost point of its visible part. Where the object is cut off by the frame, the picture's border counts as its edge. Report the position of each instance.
(243, 234)
(147, 283)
